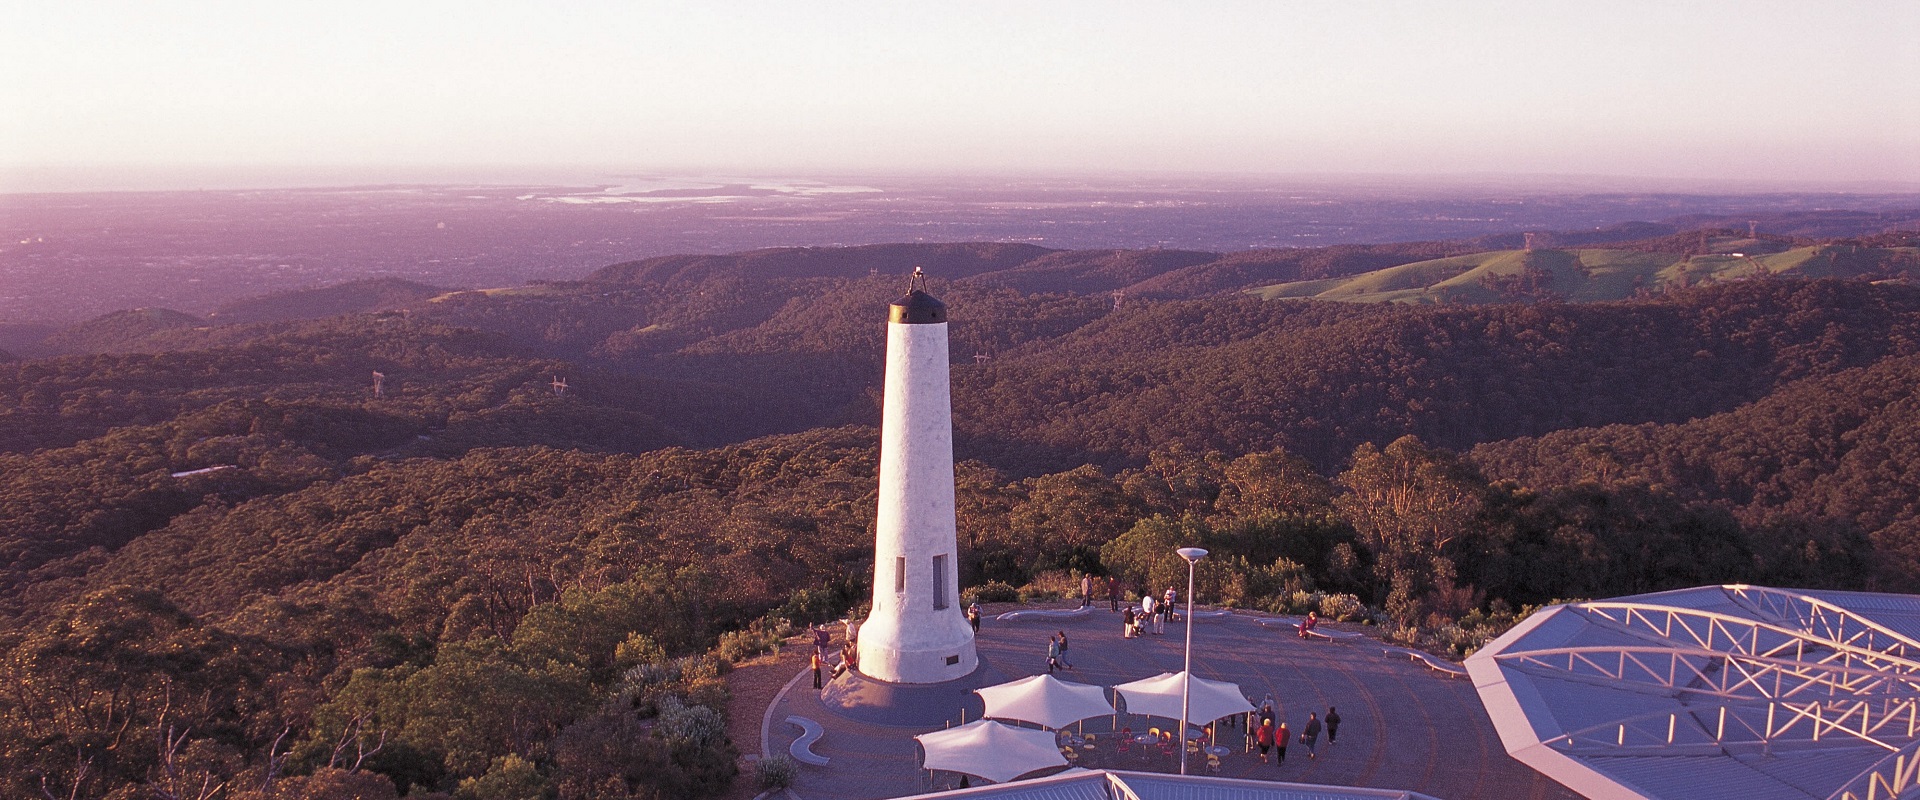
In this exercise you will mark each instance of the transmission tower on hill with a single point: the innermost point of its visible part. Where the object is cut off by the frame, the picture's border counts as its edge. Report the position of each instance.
(379, 384)
(559, 386)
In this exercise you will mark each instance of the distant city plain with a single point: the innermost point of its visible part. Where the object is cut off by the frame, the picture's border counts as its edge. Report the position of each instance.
(70, 256)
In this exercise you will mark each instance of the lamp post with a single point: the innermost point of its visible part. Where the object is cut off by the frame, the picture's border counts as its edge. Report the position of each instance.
(1193, 556)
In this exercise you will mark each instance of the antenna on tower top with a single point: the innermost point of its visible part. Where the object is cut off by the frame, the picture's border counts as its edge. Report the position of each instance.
(918, 280)
(559, 386)
(379, 384)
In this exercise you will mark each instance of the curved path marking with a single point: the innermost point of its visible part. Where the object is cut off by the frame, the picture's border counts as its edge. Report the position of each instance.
(1433, 662)
(1050, 613)
(802, 747)
(766, 719)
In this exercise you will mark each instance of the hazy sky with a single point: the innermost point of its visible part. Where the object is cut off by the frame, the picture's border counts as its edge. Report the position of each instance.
(1824, 90)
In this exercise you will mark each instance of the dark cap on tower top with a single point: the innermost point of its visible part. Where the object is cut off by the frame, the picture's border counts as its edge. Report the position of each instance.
(917, 308)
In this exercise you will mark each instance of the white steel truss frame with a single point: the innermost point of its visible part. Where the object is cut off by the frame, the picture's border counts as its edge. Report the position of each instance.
(1798, 671)
(1889, 779)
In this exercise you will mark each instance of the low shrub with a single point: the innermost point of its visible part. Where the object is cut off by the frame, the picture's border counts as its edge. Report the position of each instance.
(777, 772)
(992, 592)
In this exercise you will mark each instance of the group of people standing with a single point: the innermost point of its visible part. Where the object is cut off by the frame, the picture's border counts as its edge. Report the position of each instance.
(849, 651)
(1154, 613)
(1272, 735)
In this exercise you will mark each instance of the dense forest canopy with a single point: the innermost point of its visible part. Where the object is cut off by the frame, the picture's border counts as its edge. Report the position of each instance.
(231, 569)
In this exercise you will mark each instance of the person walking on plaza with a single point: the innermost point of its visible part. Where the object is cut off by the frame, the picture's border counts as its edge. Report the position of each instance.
(1126, 623)
(1086, 589)
(816, 669)
(1310, 735)
(1063, 651)
(1146, 611)
(973, 616)
(1264, 735)
(1113, 594)
(1280, 735)
(1053, 654)
(1333, 725)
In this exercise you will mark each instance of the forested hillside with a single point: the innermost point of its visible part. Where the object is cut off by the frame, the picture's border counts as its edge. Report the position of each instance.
(1839, 450)
(230, 563)
(1319, 379)
(1595, 275)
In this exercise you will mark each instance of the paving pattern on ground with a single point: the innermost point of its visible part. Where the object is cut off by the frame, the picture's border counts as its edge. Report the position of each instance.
(1404, 725)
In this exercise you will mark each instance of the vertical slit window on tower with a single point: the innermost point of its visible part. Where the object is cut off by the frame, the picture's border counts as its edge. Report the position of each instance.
(900, 574)
(939, 582)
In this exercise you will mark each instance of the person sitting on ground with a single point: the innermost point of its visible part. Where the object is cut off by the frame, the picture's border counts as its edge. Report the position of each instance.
(1307, 625)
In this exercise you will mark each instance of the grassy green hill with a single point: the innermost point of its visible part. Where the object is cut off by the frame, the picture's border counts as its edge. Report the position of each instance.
(1593, 275)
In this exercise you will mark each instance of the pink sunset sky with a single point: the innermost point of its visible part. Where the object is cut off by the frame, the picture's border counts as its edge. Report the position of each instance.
(1800, 93)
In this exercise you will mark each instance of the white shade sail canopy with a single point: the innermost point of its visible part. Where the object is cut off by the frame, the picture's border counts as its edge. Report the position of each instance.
(990, 750)
(1159, 696)
(1045, 700)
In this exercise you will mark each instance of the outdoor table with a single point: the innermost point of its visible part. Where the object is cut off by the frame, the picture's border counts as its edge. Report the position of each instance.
(1218, 750)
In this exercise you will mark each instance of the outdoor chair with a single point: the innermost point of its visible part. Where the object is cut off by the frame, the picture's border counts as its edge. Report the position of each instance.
(1213, 763)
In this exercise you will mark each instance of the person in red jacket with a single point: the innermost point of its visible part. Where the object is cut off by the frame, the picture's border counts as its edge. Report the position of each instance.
(1264, 735)
(1280, 744)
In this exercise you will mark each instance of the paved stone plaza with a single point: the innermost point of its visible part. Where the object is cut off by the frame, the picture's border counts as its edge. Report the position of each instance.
(1405, 726)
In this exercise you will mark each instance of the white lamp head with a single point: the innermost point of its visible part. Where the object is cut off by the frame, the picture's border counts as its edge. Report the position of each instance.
(1191, 554)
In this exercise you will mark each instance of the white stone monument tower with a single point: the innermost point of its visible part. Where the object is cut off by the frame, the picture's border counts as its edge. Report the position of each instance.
(917, 632)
